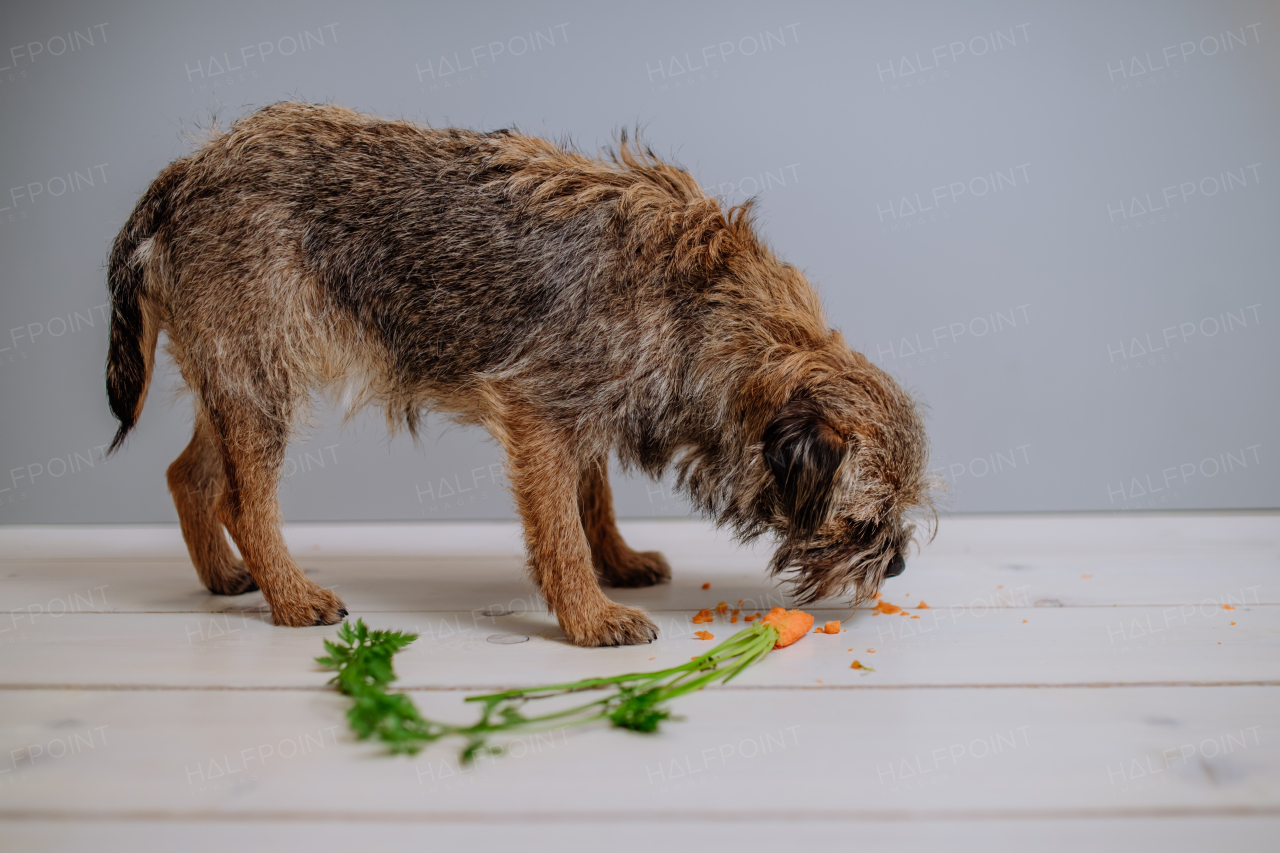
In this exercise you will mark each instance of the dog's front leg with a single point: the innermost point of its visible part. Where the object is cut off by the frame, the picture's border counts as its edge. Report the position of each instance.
(545, 480)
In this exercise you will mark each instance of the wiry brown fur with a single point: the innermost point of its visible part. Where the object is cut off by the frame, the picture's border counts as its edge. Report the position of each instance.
(575, 307)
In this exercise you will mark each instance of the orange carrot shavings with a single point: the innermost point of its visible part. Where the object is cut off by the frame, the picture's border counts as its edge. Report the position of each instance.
(922, 606)
(791, 625)
(733, 619)
(1227, 607)
(706, 586)
(831, 628)
(704, 635)
(722, 608)
(886, 607)
(858, 665)
(703, 616)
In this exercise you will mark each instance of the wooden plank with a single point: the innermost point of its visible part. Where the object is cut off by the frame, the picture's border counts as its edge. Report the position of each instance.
(1003, 646)
(767, 754)
(445, 582)
(317, 834)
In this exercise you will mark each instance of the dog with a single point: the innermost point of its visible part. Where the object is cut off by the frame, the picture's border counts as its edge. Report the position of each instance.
(573, 306)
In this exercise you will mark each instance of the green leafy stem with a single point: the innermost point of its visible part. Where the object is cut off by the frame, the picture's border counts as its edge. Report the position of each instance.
(636, 701)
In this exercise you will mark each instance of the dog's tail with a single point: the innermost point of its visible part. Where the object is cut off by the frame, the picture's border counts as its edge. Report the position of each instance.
(135, 324)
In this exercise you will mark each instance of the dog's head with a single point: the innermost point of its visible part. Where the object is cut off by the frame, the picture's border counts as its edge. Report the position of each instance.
(846, 460)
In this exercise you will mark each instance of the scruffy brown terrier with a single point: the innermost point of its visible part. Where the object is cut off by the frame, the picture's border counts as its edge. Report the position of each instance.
(572, 306)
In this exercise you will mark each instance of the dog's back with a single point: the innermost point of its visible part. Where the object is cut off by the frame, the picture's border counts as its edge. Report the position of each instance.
(313, 244)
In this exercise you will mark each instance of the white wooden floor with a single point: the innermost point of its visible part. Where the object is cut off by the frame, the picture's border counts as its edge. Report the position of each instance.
(1076, 682)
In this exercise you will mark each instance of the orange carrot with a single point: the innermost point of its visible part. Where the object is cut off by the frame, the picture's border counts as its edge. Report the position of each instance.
(922, 606)
(722, 607)
(706, 586)
(858, 665)
(702, 616)
(791, 625)
(886, 607)
(831, 628)
(704, 635)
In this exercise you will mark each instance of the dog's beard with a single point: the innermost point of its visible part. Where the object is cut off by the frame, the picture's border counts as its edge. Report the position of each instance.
(853, 558)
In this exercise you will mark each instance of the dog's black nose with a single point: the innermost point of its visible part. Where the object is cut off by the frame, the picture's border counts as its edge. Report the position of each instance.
(896, 566)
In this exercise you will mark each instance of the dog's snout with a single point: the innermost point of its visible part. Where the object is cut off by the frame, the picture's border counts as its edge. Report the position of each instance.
(896, 566)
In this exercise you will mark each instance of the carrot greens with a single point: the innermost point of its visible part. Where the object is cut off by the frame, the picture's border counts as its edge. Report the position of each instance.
(636, 701)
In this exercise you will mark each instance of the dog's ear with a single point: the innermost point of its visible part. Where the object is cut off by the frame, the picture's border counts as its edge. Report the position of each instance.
(804, 452)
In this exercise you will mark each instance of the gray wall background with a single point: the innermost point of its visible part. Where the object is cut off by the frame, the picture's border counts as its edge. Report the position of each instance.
(1055, 223)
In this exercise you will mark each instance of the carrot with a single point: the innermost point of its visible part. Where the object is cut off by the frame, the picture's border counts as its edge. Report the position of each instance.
(703, 615)
(831, 628)
(886, 607)
(704, 635)
(1227, 607)
(858, 665)
(790, 624)
(722, 607)
(922, 606)
(706, 586)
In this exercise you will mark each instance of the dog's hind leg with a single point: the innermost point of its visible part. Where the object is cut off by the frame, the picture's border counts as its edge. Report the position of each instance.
(615, 563)
(544, 480)
(253, 446)
(197, 481)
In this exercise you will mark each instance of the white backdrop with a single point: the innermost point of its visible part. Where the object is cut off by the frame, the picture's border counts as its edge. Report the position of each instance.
(1057, 226)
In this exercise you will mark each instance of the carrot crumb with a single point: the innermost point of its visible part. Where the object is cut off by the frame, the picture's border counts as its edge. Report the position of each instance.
(739, 602)
(704, 635)
(734, 612)
(869, 651)
(1024, 621)
(858, 665)
(1086, 577)
(922, 606)
(706, 586)
(1227, 607)
(652, 658)
(733, 619)
(832, 627)
(913, 616)
(1233, 623)
(722, 608)
(703, 616)
(886, 607)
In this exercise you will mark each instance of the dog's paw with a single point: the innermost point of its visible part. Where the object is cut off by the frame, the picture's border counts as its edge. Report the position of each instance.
(234, 580)
(615, 625)
(637, 568)
(317, 606)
